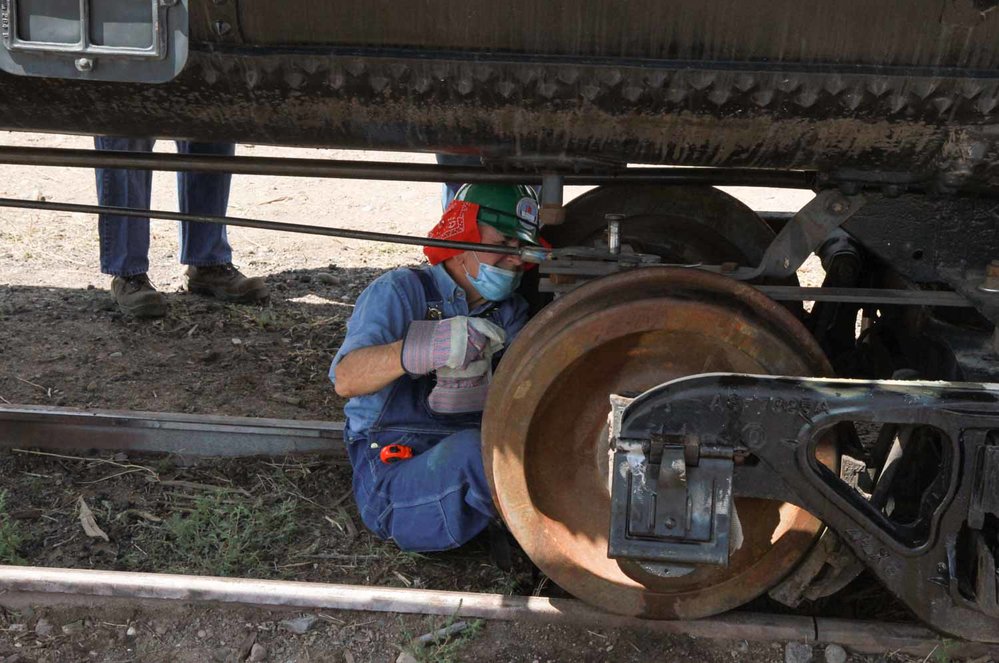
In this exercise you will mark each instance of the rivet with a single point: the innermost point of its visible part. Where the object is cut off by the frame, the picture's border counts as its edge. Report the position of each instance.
(84, 64)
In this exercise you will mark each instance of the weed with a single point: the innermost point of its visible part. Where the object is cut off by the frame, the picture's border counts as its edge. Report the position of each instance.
(446, 649)
(10, 535)
(943, 652)
(225, 538)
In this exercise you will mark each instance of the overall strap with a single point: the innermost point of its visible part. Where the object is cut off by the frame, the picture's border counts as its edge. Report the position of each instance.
(435, 302)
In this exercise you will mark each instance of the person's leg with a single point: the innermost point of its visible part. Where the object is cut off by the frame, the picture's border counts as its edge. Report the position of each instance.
(204, 247)
(449, 189)
(124, 241)
(204, 244)
(437, 500)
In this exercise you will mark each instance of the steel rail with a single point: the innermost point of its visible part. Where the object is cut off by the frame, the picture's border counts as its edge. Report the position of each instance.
(51, 585)
(405, 172)
(344, 233)
(195, 435)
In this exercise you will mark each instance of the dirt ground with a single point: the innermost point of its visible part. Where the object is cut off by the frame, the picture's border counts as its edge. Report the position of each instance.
(64, 343)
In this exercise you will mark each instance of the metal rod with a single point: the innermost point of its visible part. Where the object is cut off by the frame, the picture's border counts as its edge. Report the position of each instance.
(74, 429)
(528, 254)
(373, 170)
(552, 189)
(788, 293)
(731, 626)
(898, 297)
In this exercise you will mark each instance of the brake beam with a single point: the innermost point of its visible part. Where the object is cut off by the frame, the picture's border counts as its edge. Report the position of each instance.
(764, 431)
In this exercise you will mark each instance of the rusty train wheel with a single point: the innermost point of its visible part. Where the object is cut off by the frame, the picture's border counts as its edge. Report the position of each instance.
(545, 445)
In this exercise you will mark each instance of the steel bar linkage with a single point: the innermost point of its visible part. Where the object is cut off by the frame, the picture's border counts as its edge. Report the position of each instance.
(411, 172)
(344, 233)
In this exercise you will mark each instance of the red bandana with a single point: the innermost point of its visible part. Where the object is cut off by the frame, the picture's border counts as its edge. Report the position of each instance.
(457, 224)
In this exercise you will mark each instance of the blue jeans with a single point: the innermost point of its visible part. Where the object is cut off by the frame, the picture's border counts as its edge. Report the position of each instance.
(450, 189)
(124, 241)
(437, 500)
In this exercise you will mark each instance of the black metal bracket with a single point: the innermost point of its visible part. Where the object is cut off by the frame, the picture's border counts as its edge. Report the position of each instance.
(939, 561)
(803, 235)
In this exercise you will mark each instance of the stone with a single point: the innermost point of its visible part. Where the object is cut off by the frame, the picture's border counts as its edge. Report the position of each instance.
(131, 632)
(835, 654)
(300, 625)
(258, 653)
(327, 279)
(202, 634)
(798, 652)
(406, 657)
(44, 628)
(73, 627)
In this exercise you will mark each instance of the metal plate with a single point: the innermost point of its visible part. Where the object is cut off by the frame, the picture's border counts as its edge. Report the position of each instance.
(545, 443)
(103, 40)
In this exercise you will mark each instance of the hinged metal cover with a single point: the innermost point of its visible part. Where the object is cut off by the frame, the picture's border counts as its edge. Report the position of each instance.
(664, 510)
(142, 41)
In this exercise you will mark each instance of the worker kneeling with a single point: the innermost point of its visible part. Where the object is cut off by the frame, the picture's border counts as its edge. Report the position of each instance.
(416, 365)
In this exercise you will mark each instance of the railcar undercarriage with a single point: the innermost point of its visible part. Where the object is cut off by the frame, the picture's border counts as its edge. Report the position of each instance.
(665, 438)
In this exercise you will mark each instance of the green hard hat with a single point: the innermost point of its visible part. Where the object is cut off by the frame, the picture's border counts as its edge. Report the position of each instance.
(511, 209)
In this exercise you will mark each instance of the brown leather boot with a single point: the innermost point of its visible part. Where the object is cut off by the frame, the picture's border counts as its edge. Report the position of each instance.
(227, 283)
(136, 296)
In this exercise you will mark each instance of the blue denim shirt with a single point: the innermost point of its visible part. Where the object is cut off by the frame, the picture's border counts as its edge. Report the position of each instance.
(382, 315)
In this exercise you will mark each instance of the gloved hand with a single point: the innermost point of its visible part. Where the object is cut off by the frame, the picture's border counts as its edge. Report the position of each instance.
(459, 395)
(430, 345)
(460, 390)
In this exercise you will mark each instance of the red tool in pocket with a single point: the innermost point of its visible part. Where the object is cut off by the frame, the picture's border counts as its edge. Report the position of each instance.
(395, 452)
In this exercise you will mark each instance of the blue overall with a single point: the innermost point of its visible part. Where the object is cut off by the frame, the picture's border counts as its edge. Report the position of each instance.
(124, 241)
(440, 498)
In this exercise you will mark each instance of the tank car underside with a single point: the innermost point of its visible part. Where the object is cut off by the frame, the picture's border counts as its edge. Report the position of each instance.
(907, 100)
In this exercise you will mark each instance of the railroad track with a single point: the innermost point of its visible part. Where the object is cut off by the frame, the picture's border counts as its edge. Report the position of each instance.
(68, 429)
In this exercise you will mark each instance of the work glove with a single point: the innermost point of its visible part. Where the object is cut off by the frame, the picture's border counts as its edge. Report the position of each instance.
(455, 343)
(461, 390)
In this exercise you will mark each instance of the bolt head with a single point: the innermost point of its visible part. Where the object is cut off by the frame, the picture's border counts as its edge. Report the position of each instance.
(669, 523)
(84, 64)
(222, 28)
